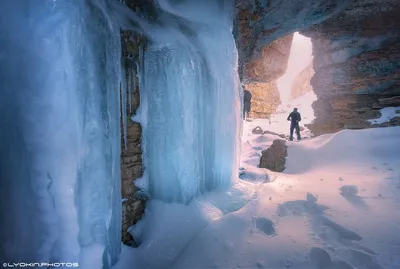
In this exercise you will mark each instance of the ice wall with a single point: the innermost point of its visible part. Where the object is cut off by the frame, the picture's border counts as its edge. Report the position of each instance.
(60, 133)
(190, 100)
(60, 78)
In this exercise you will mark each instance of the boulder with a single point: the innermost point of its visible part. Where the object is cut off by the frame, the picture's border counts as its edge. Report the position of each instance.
(257, 130)
(274, 158)
(132, 211)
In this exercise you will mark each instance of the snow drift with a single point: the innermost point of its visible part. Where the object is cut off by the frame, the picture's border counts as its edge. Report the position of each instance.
(334, 207)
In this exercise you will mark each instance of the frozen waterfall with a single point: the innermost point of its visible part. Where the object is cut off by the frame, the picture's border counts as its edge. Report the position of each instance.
(190, 104)
(60, 81)
(60, 135)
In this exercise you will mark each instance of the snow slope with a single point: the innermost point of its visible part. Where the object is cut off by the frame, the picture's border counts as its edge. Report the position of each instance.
(335, 206)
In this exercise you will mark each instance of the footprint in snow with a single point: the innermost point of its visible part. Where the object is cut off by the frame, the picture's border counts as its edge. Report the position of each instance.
(350, 193)
(359, 258)
(322, 260)
(265, 225)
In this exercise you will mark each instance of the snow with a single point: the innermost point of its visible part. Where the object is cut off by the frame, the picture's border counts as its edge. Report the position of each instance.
(387, 114)
(278, 122)
(335, 206)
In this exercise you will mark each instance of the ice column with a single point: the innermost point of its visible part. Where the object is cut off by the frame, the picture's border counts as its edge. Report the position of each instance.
(60, 133)
(190, 102)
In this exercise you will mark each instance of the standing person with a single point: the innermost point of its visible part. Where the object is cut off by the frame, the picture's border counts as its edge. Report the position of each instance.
(294, 118)
(247, 103)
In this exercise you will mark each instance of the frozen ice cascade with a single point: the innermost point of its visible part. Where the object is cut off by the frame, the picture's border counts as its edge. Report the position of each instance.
(60, 81)
(190, 100)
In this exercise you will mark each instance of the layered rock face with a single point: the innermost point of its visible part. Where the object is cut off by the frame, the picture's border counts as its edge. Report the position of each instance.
(264, 99)
(262, 74)
(357, 65)
(356, 52)
(271, 63)
(259, 23)
(131, 154)
(264, 34)
(302, 83)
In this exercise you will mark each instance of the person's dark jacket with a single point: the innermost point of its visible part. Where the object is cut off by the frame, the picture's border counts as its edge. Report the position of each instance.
(247, 101)
(294, 117)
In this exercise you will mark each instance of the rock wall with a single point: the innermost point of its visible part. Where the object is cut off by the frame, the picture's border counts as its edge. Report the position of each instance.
(355, 46)
(264, 99)
(272, 61)
(357, 65)
(131, 155)
(264, 32)
(262, 75)
(133, 205)
(302, 83)
(258, 23)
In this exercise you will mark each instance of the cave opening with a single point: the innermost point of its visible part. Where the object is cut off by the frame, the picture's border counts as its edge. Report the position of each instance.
(299, 59)
(281, 82)
(294, 86)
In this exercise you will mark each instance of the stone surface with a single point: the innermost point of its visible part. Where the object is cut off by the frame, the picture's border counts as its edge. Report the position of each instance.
(349, 111)
(357, 65)
(258, 23)
(265, 99)
(264, 32)
(302, 83)
(132, 211)
(356, 53)
(274, 158)
(271, 63)
(262, 91)
(131, 152)
(257, 130)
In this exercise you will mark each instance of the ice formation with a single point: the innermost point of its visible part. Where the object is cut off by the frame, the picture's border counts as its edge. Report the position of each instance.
(60, 141)
(190, 100)
(61, 81)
